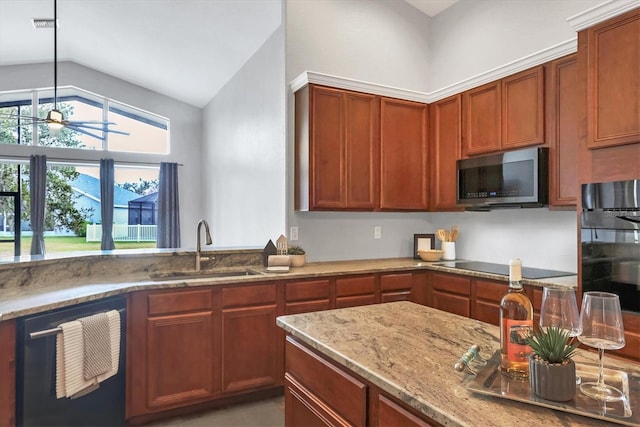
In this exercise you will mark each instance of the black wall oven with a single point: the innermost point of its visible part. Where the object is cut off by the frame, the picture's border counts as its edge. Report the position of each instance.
(610, 234)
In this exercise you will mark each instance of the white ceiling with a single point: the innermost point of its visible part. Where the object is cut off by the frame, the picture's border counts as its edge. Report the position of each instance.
(185, 49)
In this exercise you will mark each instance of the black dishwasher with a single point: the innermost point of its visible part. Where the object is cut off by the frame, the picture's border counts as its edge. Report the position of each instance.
(36, 402)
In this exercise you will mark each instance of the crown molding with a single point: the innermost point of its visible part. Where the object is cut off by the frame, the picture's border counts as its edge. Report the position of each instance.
(602, 12)
(356, 85)
(521, 64)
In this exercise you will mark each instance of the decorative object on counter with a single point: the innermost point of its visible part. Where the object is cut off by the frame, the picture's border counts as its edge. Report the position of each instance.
(278, 263)
(282, 244)
(430, 255)
(297, 255)
(602, 328)
(448, 239)
(516, 325)
(466, 362)
(269, 249)
(626, 412)
(423, 242)
(552, 372)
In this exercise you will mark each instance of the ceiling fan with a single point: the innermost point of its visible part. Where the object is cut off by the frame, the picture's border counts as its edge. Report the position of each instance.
(55, 119)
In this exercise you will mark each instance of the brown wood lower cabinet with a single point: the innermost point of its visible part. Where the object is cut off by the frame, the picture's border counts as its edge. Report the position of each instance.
(188, 347)
(352, 291)
(318, 392)
(171, 350)
(250, 338)
(7, 373)
(451, 293)
(396, 287)
(306, 296)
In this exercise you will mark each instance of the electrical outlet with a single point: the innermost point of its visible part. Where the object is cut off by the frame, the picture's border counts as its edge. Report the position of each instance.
(377, 232)
(293, 233)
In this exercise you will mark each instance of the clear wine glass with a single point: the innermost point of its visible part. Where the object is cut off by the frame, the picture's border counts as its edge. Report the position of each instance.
(560, 309)
(602, 328)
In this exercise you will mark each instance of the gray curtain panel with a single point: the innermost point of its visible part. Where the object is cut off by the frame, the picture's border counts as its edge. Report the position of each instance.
(168, 207)
(37, 189)
(106, 203)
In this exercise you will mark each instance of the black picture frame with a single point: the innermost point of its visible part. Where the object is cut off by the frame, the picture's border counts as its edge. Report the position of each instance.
(423, 241)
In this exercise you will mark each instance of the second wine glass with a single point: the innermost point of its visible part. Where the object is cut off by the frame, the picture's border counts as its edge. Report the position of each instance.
(602, 328)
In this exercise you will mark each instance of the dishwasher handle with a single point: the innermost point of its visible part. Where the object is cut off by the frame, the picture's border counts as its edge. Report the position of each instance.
(55, 331)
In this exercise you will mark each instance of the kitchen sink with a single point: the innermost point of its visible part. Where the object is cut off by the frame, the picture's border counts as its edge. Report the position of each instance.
(205, 274)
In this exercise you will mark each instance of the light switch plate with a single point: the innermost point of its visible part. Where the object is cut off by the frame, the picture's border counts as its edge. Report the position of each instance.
(293, 233)
(377, 232)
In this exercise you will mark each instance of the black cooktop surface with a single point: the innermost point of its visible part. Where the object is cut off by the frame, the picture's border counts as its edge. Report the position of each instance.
(487, 267)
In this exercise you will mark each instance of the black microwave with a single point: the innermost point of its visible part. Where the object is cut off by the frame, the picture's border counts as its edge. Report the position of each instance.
(517, 178)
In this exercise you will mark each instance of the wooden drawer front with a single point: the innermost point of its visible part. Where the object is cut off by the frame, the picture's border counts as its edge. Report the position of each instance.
(456, 304)
(345, 395)
(395, 282)
(248, 295)
(490, 291)
(488, 312)
(395, 296)
(311, 290)
(392, 414)
(307, 306)
(450, 283)
(355, 301)
(355, 285)
(303, 408)
(179, 302)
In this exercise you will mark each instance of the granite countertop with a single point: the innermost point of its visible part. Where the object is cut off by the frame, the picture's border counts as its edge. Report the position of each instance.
(28, 288)
(408, 350)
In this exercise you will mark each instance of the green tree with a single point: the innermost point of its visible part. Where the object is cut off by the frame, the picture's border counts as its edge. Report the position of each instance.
(60, 211)
(142, 187)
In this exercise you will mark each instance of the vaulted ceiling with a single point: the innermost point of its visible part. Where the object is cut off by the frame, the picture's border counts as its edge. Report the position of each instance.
(186, 49)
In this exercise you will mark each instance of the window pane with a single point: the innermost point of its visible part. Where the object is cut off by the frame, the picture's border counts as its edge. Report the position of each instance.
(73, 108)
(146, 134)
(15, 122)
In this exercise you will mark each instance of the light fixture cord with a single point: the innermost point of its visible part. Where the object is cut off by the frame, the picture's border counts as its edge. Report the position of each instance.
(55, 54)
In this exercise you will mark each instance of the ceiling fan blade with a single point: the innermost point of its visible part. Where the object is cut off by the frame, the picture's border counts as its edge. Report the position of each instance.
(94, 122)
(77, 129)
(119, 132)
(104, 129)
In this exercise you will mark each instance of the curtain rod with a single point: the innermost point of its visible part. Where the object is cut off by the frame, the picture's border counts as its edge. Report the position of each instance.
(82, 162)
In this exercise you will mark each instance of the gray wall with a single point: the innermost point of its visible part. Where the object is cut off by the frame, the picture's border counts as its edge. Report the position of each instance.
(243, 162)
(329, 36)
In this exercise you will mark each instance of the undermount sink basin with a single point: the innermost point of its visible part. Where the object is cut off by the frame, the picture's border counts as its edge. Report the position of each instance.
(204, 274)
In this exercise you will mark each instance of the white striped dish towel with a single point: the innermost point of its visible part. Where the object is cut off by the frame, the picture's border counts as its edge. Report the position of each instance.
(70, 356)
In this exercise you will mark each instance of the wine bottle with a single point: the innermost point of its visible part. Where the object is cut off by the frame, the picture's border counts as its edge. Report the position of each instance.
(516, 324)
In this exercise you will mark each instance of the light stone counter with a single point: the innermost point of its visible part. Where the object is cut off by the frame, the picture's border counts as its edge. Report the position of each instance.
(39, 285)
(408, 350)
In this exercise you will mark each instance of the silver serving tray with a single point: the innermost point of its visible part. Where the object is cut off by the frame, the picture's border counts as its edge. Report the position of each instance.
(489, 381)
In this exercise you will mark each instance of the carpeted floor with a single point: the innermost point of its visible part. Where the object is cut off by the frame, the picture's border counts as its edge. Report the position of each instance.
(265, 413)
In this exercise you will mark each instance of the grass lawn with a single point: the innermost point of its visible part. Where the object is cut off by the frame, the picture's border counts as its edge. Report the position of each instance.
(67, 244)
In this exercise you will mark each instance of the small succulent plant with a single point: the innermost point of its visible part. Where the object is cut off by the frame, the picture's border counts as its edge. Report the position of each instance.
(552, 345)
(295, 250)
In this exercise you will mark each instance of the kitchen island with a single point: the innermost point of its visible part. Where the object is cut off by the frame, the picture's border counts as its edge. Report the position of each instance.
(403, 353)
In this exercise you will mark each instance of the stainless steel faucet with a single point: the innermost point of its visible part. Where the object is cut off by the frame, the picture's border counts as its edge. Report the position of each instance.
(208, 241)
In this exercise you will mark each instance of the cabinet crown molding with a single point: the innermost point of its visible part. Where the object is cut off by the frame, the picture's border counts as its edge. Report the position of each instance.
(529, 61)
(600, 13)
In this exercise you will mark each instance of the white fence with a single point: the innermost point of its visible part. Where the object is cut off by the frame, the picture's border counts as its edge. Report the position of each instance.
(124, 233)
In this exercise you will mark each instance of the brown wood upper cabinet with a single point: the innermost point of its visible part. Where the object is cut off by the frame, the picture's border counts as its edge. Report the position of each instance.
(561, 115)
(337, 149)
(505, 114)
(446, 144)
(403, 158)
(613, 81)
(359, 152)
